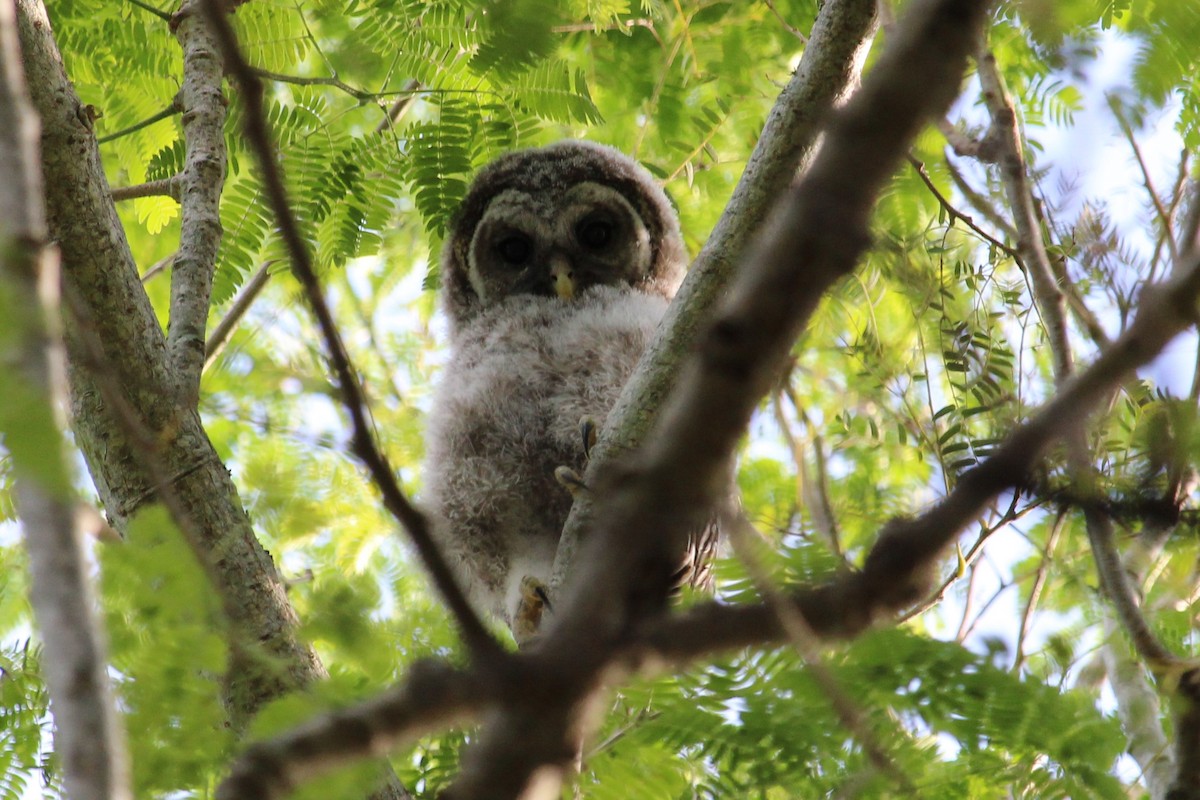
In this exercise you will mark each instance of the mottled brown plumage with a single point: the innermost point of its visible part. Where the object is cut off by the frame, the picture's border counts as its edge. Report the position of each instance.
(556, 270)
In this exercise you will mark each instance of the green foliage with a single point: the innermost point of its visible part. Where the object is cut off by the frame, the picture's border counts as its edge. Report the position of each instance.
(167, 642)
(24, 721)
(910, 373)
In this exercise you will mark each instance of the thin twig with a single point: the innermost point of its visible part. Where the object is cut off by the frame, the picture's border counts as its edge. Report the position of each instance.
(166, 113)
(166, 187)
(587, 27)
(315, 80)
(1164, 216)
(159, 267)
(241, 304)
(1035, 591)
(163, 15)
(793, 30)
(979, 202)
(816, 487)
(953, 212)
(482, 645)
(399, 106)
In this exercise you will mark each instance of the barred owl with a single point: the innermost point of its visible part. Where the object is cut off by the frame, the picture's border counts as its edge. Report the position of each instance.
(557, 268)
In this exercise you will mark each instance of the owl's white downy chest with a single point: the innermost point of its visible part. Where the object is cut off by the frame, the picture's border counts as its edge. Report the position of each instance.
(507, 412)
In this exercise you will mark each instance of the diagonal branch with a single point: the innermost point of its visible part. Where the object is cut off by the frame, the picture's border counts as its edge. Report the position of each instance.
(166, 113)
(482, 645)
(433, 696)
(652, 500)
(1114, 576)
(201, 181)
(830, 66)
(840, 609)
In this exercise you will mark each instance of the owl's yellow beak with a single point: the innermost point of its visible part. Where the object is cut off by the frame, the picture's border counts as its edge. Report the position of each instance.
(564, 283)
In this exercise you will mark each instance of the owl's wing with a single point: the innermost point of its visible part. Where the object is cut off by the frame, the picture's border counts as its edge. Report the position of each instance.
(696, 570)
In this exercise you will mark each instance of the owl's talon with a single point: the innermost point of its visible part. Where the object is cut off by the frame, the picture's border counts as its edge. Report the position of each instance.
(533, 603)
(589, 433)
(569, 479)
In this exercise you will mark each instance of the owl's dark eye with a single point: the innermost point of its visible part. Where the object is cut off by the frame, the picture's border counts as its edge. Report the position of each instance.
(594, 233)
(514, 249)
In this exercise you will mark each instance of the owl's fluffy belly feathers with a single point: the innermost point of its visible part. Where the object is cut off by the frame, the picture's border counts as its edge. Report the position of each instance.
(507, 412)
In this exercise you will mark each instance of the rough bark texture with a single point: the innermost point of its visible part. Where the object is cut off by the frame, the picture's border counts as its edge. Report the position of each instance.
(200, 197)
(100, 275)
(831, 65)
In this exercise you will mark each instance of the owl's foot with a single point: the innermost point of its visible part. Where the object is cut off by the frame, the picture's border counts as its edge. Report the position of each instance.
(534, 601)
(588, 432)
(569, 479)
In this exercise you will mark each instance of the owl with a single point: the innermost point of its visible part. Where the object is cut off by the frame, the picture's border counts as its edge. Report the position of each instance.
(557, 268)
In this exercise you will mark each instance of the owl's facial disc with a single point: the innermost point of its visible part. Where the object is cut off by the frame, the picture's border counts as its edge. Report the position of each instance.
(558, 245)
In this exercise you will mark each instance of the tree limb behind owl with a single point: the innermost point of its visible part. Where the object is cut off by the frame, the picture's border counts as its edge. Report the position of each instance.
(557, 269)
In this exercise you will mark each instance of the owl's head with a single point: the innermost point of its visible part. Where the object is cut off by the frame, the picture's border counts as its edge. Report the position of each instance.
(554, 221)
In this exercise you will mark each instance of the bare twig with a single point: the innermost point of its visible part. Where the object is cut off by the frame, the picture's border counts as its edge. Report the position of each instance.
(163, 15)
(159, 267)
(315, 80)
(1035, 591)
(166, 113)
(167, 187)
(816, 487)
(587, 27)
(793, 30)
(482, 645)
(241, 304)
(399, 106)
(1164, 216)
(979, 202)
(953, 212)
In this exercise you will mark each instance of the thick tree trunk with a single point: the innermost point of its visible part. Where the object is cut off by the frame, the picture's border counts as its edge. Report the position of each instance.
(114, 316)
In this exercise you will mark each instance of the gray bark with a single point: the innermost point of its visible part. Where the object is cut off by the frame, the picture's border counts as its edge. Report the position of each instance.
(830, 67)
(101, 280)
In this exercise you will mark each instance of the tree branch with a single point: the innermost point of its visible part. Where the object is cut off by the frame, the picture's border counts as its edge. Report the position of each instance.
(237, 310)
(99, 270)
(201, 182)
(830, 66)
(167, 187)
(840, 609)
(166, 113)
(87, 738)
(482, 645)
(432, 696)
(954, 213)
(1113, 576)
(1164, 215)
(651, 502)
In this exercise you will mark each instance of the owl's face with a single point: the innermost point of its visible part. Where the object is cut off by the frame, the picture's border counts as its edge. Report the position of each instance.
(556, 220)
(557, 245)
